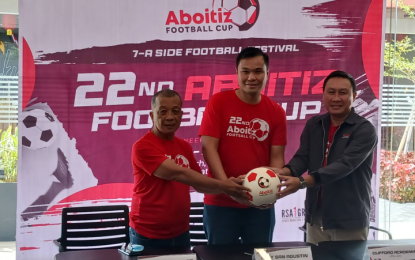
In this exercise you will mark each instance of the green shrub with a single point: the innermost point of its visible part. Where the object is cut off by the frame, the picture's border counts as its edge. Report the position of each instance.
(8, 153)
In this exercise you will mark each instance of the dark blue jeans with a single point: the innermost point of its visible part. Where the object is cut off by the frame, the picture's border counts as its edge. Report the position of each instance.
(181, 240)
(225, 225)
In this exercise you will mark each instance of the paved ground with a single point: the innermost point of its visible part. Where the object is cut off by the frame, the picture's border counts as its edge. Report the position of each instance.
(402, 219)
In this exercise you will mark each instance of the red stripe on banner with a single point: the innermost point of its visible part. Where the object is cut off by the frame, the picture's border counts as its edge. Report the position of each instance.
(44, 225)
(28, 248)
(101, 192)
(372, 44)
(29, 74)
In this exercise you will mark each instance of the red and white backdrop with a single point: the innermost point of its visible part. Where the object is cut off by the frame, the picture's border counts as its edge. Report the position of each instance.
(89, 69)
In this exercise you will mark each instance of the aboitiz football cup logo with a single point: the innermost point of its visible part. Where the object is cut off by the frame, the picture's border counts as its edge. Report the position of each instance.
(224, 15)
(255, 129)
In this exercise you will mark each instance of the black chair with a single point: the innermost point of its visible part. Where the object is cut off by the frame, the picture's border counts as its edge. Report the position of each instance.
(197, 233)
(95, 227)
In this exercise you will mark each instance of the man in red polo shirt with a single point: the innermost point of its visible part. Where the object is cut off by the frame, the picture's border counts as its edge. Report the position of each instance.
(242, 130)
(164, 168)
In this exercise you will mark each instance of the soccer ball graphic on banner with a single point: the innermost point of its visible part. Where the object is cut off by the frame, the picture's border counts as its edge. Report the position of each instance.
(39, 129)
(244, 13)
(259, 129)
(263, 184)
(182, 161)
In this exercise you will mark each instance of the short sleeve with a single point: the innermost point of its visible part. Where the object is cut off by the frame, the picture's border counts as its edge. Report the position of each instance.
(211, 121)
(280, 130)
(147, 156)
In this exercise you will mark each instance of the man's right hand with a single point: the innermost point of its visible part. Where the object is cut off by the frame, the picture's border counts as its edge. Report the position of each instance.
(231, 188)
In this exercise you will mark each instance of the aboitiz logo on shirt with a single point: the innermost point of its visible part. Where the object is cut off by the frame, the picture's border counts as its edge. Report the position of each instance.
(257, 128)
(180, 160)
(224, 15)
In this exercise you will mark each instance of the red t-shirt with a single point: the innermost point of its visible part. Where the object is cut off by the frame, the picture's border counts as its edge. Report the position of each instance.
(332, 130)
(246, 134)
(160, 208)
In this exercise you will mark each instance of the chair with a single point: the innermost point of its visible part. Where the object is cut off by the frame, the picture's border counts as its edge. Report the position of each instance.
(382, 230)
(197, 233)
(95, 227)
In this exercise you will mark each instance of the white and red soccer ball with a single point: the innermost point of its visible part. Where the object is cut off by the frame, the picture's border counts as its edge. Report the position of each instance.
(244, 13)
(263, 184)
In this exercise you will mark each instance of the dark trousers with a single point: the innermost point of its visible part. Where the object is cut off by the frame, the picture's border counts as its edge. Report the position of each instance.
(225, 225)
(181, 240)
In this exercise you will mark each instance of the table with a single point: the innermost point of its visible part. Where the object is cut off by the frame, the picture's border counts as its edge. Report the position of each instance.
(113, 254)
(351, 250)
(331, 250)
(238, 252)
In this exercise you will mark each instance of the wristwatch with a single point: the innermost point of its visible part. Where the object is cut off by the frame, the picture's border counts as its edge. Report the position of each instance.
(303, 183)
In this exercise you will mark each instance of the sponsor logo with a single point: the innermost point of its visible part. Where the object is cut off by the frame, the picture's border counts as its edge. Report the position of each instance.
(265, 193)
(293, 214)
(346, 136)
(224, 15)
(263, 183)
(255, 129)
(182, 161)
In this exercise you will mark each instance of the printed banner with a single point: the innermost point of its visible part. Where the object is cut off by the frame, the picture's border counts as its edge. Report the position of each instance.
(90, 68)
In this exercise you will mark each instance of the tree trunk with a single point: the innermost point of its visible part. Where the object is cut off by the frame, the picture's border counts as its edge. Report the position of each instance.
(405, 134)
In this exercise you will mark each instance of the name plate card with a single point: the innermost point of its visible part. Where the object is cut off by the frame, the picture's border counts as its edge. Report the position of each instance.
(402, 252)
(274, 253)
(169, 257)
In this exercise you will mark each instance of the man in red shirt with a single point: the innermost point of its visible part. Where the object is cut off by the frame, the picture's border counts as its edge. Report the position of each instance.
(164, 168)
(241, 130)
(337, 150)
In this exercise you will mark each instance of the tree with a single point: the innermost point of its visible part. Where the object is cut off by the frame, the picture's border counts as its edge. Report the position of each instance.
(398, 64)
(396, 59)
(407, 8)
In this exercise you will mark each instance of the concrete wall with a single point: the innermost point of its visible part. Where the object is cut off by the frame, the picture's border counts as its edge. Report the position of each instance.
(8, 201)
(9, 6)
(404, 25)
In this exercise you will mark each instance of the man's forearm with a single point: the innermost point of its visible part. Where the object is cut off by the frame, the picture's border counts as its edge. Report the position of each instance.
(309, 180)
(215, 164)
(198, 181)
(206, 191)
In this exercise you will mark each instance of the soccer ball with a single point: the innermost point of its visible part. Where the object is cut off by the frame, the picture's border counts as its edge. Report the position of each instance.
(244, 13)
(39, 129)
(263, 184)
(182, 161)
(259, 129)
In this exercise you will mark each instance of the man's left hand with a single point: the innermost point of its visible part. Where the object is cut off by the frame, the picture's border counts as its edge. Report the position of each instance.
(291, 184)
